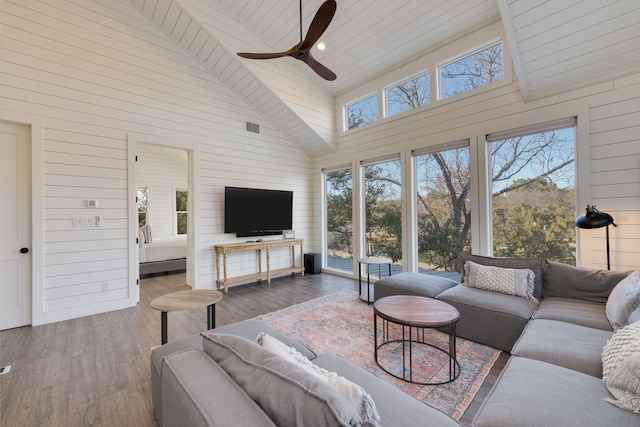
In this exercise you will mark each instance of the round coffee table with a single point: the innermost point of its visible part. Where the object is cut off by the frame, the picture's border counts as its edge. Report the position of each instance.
(185, 300)
(415, 313)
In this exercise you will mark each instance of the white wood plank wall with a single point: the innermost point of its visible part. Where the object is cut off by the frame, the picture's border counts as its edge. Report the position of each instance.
(95, 71)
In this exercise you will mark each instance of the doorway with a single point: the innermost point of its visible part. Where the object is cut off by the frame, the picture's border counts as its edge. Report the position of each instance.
(15, 223)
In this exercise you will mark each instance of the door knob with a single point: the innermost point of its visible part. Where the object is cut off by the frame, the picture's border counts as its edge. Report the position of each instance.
(24, 250)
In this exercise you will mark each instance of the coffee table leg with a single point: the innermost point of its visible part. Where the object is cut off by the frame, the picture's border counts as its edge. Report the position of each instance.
(163, 327)
(211, 316)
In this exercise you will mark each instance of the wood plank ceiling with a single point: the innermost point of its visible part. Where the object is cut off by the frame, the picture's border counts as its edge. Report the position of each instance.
(556, 46)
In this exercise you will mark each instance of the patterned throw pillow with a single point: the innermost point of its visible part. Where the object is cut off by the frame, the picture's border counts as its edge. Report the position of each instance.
(621, 367)
(510, 281)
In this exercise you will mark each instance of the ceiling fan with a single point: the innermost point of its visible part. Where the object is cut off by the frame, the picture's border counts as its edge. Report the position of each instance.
(302, 51)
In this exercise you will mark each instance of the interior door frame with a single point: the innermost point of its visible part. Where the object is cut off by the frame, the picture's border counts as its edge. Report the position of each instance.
(36, 125)
(193, 237)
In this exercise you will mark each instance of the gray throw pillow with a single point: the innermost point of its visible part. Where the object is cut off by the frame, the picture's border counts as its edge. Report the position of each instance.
(566, 281)
(288, 394)
(624, 299)
(534, 264)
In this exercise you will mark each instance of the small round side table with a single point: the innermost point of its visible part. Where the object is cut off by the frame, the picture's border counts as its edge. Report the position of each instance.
(185, 300)
(369, 261)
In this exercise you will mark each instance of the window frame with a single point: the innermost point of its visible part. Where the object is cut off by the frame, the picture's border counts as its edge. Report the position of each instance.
(345, 110)
(385, 92)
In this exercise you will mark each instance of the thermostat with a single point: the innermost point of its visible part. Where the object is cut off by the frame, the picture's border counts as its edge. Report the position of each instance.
(92, 203)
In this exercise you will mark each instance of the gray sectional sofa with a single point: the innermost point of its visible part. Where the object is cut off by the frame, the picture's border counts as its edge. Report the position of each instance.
(191, 388)
(554, 377)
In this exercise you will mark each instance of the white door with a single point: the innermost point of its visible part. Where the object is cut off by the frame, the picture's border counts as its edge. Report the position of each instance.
(15, 226)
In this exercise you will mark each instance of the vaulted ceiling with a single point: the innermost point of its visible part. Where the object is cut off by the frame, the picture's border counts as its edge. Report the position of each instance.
(556, 46)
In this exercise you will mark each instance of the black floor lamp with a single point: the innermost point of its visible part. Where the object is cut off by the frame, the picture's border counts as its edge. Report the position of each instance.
(596, 219)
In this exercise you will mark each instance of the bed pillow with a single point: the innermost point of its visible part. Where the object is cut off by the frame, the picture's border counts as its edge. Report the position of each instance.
(621, 367)
(510, 281)
(623, 300)
(288, 394)
(352, 392)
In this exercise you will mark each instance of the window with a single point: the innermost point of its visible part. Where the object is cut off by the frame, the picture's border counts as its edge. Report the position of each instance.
(339, 217)
(471, 72)
(534, 193)
(383, 209)
(181, 211)
(142, 200)
(408, 95)
(362, 112)
(443, 185)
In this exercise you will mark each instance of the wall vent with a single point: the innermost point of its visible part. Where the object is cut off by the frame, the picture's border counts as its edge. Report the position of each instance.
(253, 127)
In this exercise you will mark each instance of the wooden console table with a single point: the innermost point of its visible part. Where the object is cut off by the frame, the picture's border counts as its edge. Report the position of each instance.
(259, 247)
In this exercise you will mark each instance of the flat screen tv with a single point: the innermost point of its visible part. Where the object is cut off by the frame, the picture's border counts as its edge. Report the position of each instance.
(256, 212)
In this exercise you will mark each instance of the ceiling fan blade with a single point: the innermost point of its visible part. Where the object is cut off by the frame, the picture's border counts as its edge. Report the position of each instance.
(262, 55)
(320, 69)
(320, 22)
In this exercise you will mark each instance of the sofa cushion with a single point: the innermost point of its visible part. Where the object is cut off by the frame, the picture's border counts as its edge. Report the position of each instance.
(352, 392)
(621, 367)
(287, 393)
(530, 393)
(567, 281)
(428, 285)
(534, 264)
(490, 318)
(510, 281)
(624, 299)
(574, 311)
(395, 406)
(194, 388)
(572, 346)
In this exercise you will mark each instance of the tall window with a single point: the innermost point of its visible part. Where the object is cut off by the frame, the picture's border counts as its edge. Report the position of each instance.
(339, 216)
(181, 211)
(534, 194)
(408, 95)
(471, 72)
(362, 112)
(383, 210)
(443, 208)
(142, 196)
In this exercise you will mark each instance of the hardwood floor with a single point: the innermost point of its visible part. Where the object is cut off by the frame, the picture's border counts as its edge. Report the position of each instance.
(94, 371)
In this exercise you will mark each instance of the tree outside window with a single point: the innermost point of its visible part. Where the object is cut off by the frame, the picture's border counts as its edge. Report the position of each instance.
(339, 216)
(534, 196)
(443, 208)
(472, 72)
(383, 210)
(409, 95)
(362, 112)
(181, 211)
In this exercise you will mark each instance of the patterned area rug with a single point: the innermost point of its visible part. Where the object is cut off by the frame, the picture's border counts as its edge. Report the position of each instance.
(342, 324)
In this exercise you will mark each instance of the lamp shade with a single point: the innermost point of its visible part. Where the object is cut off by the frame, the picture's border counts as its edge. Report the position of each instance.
(593, 218)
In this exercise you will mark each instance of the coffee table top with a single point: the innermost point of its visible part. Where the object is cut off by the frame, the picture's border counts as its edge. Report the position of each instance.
(416, 311)
(184, 300)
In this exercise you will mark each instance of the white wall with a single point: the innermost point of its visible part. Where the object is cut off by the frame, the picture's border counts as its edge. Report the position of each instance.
(608, 142)
(93, 72)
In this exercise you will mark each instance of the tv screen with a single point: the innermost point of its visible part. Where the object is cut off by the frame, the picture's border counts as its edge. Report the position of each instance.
(256, 212)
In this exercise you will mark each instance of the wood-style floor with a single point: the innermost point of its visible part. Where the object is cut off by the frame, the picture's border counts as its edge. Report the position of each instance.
(94, 371)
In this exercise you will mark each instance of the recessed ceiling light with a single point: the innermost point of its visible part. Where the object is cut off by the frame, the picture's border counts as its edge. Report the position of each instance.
(321, 46)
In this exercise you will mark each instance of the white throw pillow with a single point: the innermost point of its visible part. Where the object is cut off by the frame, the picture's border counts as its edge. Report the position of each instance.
(623, 300)
(510, 281)
(621, 367)
(351, 391)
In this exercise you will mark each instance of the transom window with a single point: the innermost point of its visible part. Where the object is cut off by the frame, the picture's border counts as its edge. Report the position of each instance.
(408, 95)
(472, 72)
(362, 112)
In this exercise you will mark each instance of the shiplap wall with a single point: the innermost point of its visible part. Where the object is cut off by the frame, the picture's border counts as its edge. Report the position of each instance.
(608, 144)
(161, 170)
(95, 71)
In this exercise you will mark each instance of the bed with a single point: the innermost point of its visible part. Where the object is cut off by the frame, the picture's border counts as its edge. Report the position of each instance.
(162, 256)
